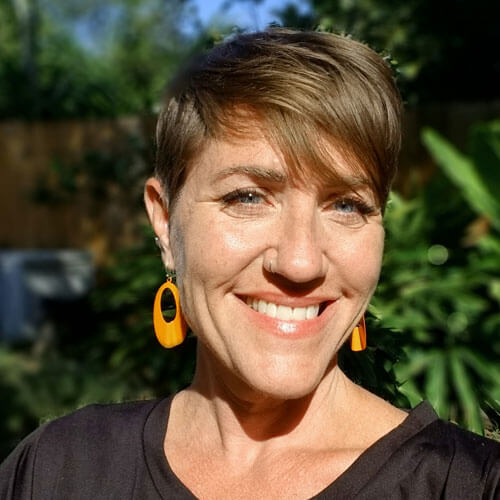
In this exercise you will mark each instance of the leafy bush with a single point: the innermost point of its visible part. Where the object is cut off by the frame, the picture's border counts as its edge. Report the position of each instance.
(441, 281)
(82, 58)
(428, 39)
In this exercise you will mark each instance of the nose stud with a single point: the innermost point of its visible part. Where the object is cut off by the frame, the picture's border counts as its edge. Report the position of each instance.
(268, 266)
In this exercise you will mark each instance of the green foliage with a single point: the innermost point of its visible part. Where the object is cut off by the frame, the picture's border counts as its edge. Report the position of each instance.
(373, 368)
(429, 40)
(440, 283)
(63, 58)
(462, 171)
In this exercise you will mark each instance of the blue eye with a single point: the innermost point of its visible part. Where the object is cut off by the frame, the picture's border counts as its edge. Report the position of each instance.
(249, 198)
(346, 206)
(242, 196)
(351, 209)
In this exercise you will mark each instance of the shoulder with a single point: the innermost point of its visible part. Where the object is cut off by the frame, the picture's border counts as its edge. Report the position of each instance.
(89, 437)
(92, 442)
(426, 457)
(98, 423)
(449, 438)
(469, 462)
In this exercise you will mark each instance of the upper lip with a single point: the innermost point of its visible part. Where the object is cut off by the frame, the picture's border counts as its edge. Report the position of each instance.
(287, 300)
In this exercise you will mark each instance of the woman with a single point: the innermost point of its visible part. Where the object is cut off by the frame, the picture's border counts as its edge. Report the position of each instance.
(276, 152)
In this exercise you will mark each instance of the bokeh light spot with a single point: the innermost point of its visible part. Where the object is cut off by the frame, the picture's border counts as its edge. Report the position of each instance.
(457, 322)
(437, 255)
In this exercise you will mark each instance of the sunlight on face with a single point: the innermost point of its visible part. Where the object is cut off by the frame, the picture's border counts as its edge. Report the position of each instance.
(239, 210)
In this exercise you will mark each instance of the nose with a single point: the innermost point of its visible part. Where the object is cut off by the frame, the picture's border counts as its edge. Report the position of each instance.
(298, 251)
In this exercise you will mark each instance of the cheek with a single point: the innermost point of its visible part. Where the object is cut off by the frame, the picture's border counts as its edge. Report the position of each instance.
(359, 258)
(232, 247)
(215, 250)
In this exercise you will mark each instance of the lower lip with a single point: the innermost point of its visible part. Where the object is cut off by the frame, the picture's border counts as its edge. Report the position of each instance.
(289, 329)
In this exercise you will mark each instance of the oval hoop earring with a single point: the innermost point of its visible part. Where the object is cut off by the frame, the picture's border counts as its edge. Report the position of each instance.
(169, 333)
(358, 336)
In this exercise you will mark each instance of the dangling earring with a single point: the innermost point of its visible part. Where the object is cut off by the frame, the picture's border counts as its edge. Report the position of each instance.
(169, 333)
(358, 336)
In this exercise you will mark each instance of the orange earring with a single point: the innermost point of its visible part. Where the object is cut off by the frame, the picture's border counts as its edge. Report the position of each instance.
(358, 337)
(169, 333)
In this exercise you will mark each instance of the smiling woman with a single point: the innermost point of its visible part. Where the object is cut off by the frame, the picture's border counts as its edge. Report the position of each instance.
(264, 219)
(276, 151)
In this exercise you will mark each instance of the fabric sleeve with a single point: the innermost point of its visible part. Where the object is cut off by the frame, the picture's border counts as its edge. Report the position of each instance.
(94, 452)
(17, 471)
(474, 470)
(492, 484)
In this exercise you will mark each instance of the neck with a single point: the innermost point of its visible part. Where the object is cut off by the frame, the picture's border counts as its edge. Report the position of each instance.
(237, 413)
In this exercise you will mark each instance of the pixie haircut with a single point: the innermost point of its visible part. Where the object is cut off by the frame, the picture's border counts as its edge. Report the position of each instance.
(306, 91)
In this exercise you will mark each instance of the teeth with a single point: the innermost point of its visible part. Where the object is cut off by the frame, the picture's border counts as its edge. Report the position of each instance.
(271, 310)
(312, 311)
(283, 312)
(299, 313)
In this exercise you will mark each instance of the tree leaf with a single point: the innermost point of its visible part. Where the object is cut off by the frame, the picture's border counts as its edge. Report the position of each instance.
(485, 151)
(436, 387)
(462, 172)
(466, 395)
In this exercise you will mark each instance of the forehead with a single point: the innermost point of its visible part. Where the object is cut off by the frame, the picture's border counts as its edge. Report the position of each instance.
(253, 154)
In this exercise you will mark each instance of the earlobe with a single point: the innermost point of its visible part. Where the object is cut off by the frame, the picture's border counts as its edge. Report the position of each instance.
(157, 210)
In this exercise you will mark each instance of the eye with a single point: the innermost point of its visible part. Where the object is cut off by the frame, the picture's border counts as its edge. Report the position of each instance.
(345, 206)
(246, 202)
(350, 205)
(350, 210)
(243, 196)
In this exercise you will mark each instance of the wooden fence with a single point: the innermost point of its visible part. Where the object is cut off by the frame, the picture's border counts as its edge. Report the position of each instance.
(27, 151)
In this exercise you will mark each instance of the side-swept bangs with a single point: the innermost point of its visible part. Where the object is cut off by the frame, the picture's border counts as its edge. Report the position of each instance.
(310, 91)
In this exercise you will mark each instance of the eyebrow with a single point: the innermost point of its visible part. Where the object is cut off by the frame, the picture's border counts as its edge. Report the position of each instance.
(271, 175)
(355, 181)
(255, 171)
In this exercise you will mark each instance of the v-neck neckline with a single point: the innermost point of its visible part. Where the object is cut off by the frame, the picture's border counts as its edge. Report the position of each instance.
(345, 486)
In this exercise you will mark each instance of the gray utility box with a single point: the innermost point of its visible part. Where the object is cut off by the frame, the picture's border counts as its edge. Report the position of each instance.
(29, 278)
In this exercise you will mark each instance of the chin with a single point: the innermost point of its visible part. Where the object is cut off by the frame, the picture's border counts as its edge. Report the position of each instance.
(285, 382)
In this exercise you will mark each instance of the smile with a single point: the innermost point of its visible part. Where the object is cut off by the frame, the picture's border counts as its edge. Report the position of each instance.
(285, 313)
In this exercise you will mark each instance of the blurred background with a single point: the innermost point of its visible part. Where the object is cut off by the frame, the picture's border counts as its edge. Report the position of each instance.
(81, 82)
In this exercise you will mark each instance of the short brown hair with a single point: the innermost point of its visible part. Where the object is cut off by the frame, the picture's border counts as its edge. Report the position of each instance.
(307, 89)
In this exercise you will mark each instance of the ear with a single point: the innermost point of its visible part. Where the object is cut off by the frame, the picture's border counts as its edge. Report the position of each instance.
(156, 207)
